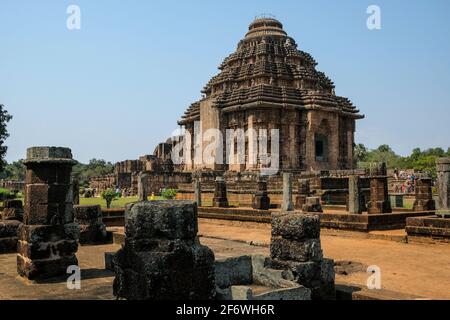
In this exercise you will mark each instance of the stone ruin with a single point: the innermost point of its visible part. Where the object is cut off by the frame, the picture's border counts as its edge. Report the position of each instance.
(162, 258)
(261, 200)
(8, 236)
(13, 210)
(220, 193)
(48, 237)
(379, 196)
(434, 228)
(287, 205)
(296, 249)
(424, 194)
(443, 171)
(92, 229)
(304, 192)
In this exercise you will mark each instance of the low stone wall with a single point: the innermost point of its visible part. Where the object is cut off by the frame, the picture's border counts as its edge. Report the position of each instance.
(9, 236)
(429, 229)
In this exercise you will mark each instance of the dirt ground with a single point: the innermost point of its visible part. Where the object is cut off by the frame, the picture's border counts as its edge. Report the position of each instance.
(417, 269)
(420, 270)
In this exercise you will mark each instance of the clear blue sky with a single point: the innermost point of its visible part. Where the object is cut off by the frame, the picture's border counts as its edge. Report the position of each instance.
(116, 88)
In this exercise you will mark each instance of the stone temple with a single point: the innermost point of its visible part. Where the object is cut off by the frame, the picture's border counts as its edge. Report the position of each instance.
(268, 83)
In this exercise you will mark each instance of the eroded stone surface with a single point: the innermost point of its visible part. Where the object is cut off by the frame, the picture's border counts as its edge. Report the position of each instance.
(162, 258)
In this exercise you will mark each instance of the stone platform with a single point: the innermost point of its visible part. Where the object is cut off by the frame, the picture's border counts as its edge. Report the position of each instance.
(429, 229)
(329, 219)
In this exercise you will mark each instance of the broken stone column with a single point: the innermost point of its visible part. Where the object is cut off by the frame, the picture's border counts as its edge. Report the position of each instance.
(220, 193)
(379, 197)
(92, 229)
(354, 197)
(424, 194)
(443, 172)
(303, 193)
(162, 258)
(261, 200)
(295, 248)
(312, 205)
(13, 210)
(198, 191)
(48, 239)
(143, 187)
(287, 192)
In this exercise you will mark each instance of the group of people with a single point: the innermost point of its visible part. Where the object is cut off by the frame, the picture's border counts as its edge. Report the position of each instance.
(410, 181)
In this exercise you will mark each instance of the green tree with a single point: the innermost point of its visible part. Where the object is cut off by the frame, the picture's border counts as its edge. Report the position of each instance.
(95, 168)
(14, 171)
(360, 153)
(5, 117)
(109, 195)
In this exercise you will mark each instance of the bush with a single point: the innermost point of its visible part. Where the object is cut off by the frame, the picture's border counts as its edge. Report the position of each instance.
(7, 195)
(169, 194)
(109, 196)
(82, 191)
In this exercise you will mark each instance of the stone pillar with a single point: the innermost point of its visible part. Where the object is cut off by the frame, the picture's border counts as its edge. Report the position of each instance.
(354, 198)
(92, 229)
(287, 192)
(312, 205)
(261, 201)
(443, 172)
(48, 240)
(162, 258)
(198, 191)
(303, 193)
(379, 197)
(220, 193)
(295, 248)
(424, 195)
(142, 186)
(76, 191)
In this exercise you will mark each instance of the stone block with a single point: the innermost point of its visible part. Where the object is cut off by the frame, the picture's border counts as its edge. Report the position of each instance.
(161, 219)
(233, 271)
(295, 226)
(44, 269)
(47, 250)
(312, 205)
(9, 228)
(154, 275)
(8, 245)
(302, 251)
(87, 214)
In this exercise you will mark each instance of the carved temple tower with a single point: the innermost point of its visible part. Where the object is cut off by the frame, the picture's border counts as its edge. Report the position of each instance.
(268, 83)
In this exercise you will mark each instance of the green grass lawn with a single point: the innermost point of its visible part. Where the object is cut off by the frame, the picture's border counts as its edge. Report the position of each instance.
(117, 203)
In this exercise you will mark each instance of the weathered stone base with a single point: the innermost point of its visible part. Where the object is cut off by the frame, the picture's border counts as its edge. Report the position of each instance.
(9, 236)
(428, 229)
(296, 250)
(92, 229)
(185, 273)
(162, 258)
(339, 221)
(318, 276)
(367, 222)
(46, 251)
